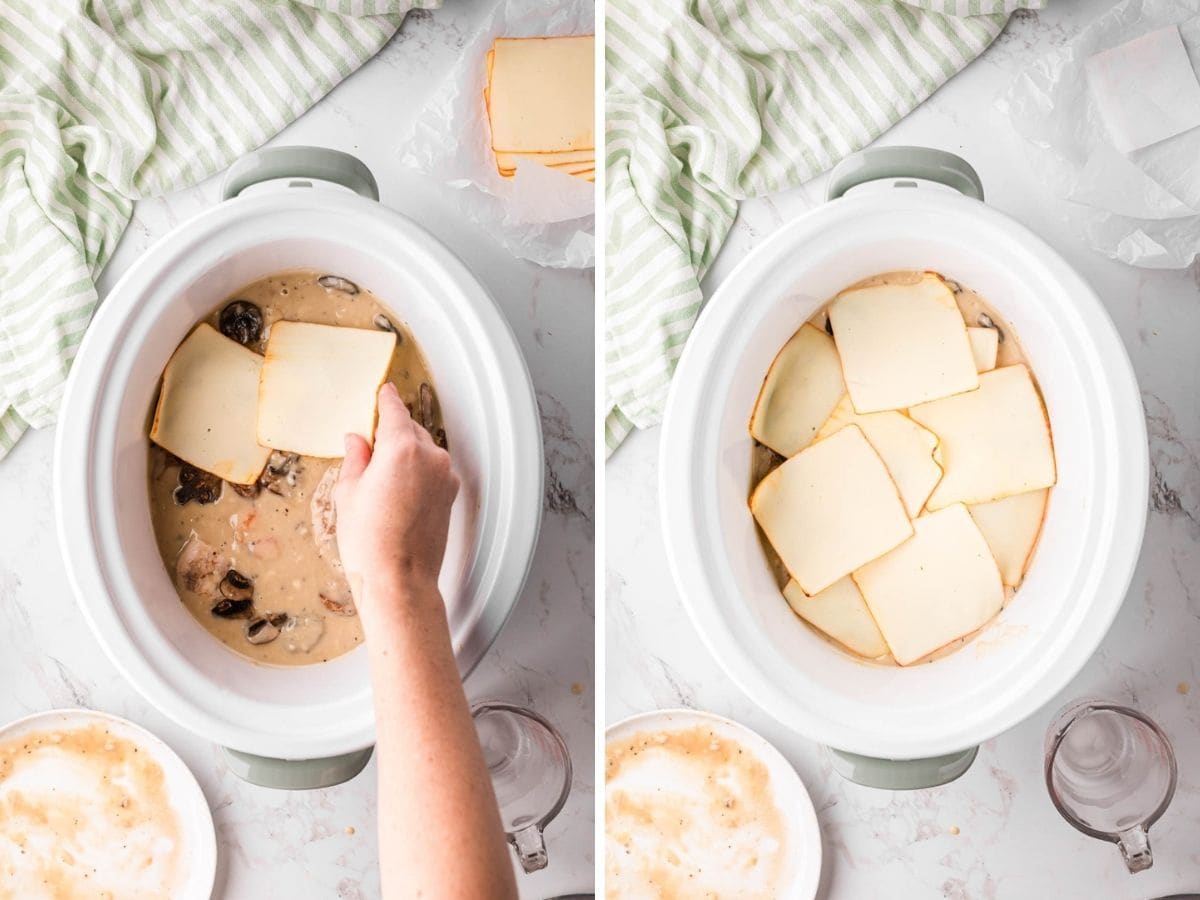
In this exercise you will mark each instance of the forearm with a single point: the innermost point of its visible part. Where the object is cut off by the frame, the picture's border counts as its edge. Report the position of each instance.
(445, 839)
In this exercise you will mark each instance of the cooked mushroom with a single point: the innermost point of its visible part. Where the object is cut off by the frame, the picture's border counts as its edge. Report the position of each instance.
(954, 286)
(986, 321)
(242, 321)
(236, 586)
(425, 405)
(249, 491)
(829, 326)
(232, 609)
(439, 438)
(265, 628)
(196, 484)
(324, 518)
(281, 473)
(339, 606)
(383, 323)
(301, 633)
(338, 283)
(199, 566)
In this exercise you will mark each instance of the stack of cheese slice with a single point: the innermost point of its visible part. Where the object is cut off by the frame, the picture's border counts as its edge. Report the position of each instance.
(223, 408)
(541, 105)
(916, 472)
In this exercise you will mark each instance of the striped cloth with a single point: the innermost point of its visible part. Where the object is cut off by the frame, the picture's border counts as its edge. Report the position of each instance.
(713, 101)
(106, 101)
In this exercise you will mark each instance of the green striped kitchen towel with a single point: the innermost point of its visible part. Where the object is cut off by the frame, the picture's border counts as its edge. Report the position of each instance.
(106, 101)
(709, 102)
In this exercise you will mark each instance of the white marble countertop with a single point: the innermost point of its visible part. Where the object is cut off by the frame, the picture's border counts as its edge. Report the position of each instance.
(1010, 842)
(295, 845)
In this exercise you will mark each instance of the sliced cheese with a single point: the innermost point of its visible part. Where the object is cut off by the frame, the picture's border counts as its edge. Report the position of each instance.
(1011, 528)
(840, 612)
(801, 389)
(985, 344)
(562, 158)
(541, 94)
(208, 407)
(319, 383)
(940, 585)
(905, 447)
(902, 344)
(993, 442)
(829, 509)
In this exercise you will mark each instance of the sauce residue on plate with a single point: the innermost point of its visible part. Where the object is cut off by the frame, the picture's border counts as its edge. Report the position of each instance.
(691, 813)
(84, 813)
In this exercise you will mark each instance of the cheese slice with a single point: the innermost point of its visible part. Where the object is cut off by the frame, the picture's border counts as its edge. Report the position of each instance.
(829, 509)
(801, 389)
(319, 383)
(561, 158)
(905, 447)
(994, 442)
(840, 612)
(940, 585)
(541, 94)
(208, 407)
(985, 344)
(1011, 527)
(902, 344)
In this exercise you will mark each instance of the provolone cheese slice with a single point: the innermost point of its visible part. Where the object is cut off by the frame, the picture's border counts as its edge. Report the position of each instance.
(800, 391)
(994, 442)
(208, 407)
(319, 383)
(902, 344)
(937, 586)
(1011, 528)
(839, 611)
(541, 96)
(569, 157)
(985, 344)
(904, 446)
(829, 509)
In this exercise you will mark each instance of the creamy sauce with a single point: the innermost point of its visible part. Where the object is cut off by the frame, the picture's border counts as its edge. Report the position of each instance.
(85, 814)
(283, 539)
(764, 460)
(691, 813)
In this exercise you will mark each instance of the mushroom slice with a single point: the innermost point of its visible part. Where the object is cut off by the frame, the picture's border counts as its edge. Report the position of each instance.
(241, 321)
(232, 609)
(236, 586)
(199, 566)
(281, 473)
(324, 518)
(425, 405)
(249, 491)
(383, 323)
(265, 628)
(196, 484)
(301, 633)
(338, 283)
(339, 606)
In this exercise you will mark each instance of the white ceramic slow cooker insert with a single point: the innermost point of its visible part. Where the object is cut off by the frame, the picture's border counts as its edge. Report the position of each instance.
(101, 485)
(1095, 518)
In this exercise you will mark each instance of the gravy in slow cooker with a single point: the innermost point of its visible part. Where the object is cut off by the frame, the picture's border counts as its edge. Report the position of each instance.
(278, 537)
(976, 311)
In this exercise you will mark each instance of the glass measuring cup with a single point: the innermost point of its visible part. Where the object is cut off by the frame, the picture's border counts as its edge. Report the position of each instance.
(1111, 773)
(531, 774)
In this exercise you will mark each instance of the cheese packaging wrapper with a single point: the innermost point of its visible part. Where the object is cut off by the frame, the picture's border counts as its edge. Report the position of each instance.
(830, 509)
(540, 213)
(320, 383)
(208, 407)
(940, 585)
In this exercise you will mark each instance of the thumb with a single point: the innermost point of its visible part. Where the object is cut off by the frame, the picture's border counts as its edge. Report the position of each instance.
(358, 454)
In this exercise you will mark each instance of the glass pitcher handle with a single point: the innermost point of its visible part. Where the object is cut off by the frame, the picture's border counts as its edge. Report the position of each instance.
(1135, 848)
(531, 847)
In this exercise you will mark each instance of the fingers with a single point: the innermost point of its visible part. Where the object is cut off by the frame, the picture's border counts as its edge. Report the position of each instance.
(358, 454)
(394, 418)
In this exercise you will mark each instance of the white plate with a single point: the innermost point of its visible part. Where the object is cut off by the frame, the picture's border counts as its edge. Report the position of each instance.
(790, 795)
(197, 836)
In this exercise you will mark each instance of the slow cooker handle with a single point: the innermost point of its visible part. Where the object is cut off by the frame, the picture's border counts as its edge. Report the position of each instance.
(902, 774)
(903, 164)
(319, 163)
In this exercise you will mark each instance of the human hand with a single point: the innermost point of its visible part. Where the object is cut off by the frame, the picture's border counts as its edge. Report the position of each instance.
(393, 507)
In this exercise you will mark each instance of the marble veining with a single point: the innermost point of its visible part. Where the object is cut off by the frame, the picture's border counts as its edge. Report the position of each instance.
(992, 835)
(322, 843)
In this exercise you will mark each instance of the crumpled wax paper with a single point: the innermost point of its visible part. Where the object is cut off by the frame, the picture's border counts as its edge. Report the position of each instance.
(1142, 208)
(541, 215)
